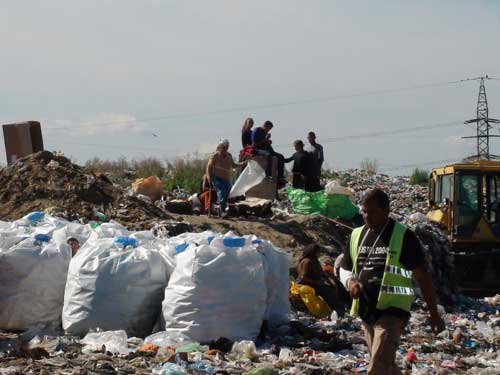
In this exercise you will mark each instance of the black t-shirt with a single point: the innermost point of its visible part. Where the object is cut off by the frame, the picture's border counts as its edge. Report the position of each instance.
(372, 255)
(246, 138)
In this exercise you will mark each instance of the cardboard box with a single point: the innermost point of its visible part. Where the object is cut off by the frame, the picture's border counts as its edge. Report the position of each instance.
(22, 139)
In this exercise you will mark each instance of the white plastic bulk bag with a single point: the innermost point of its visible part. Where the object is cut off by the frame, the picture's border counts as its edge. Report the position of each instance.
(252, 175)
(11, 236)
(109, 230)
(113, 288)
(216, 290)
(72, 230)
(32, 280)
(277, 271)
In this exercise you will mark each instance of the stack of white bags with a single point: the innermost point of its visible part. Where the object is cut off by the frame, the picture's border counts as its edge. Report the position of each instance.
(201, 285)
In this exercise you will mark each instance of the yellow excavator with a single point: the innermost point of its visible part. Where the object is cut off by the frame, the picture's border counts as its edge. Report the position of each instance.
(464, 198)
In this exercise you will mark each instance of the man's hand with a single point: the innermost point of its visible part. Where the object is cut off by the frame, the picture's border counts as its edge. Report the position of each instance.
(426, 286)
(437, 323)
(355, 288)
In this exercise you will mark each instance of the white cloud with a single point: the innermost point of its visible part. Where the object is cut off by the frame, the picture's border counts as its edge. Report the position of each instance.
(102, 124)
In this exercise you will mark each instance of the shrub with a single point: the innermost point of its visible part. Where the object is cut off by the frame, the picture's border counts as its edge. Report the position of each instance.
(185, 173)
(419, 177)
(370, 166)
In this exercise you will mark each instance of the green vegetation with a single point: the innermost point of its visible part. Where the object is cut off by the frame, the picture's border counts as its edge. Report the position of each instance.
(370, 166)
(183, 173)
(419, 177)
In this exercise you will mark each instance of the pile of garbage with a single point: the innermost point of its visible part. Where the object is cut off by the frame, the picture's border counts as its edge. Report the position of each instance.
(48, 181)
(406, 199)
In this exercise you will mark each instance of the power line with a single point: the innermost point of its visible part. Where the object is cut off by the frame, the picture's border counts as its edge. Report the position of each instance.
(327, 140)
(416, 165)
(260, 106)
(387, 132)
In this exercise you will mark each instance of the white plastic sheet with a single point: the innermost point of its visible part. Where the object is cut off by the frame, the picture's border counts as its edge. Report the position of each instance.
(217, 290)
(252, 175)
(113, 341)
(112, 288)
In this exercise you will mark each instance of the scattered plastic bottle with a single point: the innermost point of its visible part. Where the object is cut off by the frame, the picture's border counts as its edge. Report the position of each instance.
(285, 355)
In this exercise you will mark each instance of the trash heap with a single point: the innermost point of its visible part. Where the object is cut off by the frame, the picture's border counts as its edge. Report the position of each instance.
(406, 199)
(469, 345)
(50, 182)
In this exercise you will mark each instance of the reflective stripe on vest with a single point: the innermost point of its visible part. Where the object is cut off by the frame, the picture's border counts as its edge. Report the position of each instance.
(396, 289)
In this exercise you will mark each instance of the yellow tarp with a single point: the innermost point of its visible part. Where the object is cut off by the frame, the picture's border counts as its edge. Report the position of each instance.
(315, 304)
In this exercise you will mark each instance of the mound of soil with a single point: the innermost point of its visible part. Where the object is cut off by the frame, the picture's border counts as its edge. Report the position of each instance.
(45, 180)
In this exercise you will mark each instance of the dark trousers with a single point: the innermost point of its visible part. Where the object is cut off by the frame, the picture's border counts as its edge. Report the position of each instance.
(298, 181)
(314, 183)
(268, 150)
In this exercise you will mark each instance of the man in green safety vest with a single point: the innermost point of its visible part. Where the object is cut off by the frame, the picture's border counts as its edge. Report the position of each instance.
(377, 270)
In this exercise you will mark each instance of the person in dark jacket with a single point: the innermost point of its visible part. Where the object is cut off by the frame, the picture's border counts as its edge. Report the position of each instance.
(261, 141)
(301, 167)
(317, 156)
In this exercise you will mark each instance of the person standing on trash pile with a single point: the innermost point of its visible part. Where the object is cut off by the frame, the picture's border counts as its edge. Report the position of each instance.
(301, 169)
(74, 245)
(246, 133)
(220, 165)
(261, 142)
(377, 271)
(311, 273)
(316, 150)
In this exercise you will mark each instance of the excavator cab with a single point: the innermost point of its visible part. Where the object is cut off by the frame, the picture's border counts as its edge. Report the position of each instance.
(465, 199)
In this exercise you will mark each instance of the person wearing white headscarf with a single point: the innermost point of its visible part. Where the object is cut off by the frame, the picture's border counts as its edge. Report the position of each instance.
(220, 165)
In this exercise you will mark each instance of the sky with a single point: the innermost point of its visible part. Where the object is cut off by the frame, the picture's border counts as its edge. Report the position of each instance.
(168, 78)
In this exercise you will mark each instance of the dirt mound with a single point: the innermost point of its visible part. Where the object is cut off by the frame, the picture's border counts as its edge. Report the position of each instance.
(45, 180)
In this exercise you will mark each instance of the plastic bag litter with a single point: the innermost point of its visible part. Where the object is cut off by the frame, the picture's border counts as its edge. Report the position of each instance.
(334, 187)
(164, 339)
(315, 304)
(169, 369)
(109, 287)
(418, 217)
(114, 341)
(216, 290)
(245, 348)
(334, 206)
(252, 175)
(32, 279)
